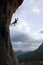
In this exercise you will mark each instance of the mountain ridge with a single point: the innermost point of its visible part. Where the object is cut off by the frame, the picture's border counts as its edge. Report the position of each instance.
(36, 55)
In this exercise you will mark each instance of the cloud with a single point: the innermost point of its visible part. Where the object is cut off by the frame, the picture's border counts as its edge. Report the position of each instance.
(37, 5)
(21, 34)
(21, 40)
(41, 32)
(35, 10)
(28, 7)
(25, 46)
(22, 26)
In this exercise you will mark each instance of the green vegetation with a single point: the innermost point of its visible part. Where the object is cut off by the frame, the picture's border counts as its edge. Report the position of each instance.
(36, 55)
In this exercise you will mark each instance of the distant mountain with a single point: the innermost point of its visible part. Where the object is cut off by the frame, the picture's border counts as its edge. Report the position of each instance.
(36, 55)
(19, 52)
(41, 47)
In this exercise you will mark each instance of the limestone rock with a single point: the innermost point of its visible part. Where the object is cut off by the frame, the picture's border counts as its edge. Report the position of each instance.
(7, 8)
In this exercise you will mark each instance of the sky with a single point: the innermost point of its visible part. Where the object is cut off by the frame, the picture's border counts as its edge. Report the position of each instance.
(27, 34)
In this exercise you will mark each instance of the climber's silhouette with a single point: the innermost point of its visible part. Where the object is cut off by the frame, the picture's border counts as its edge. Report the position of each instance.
(15, 21)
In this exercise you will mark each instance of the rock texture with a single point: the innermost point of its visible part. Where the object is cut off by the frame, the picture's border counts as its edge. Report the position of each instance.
(7, 8)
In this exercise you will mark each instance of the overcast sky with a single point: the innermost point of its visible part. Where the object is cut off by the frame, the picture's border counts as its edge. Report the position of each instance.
(27, 35)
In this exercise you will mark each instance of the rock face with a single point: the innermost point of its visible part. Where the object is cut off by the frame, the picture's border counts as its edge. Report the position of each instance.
(7, 8)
